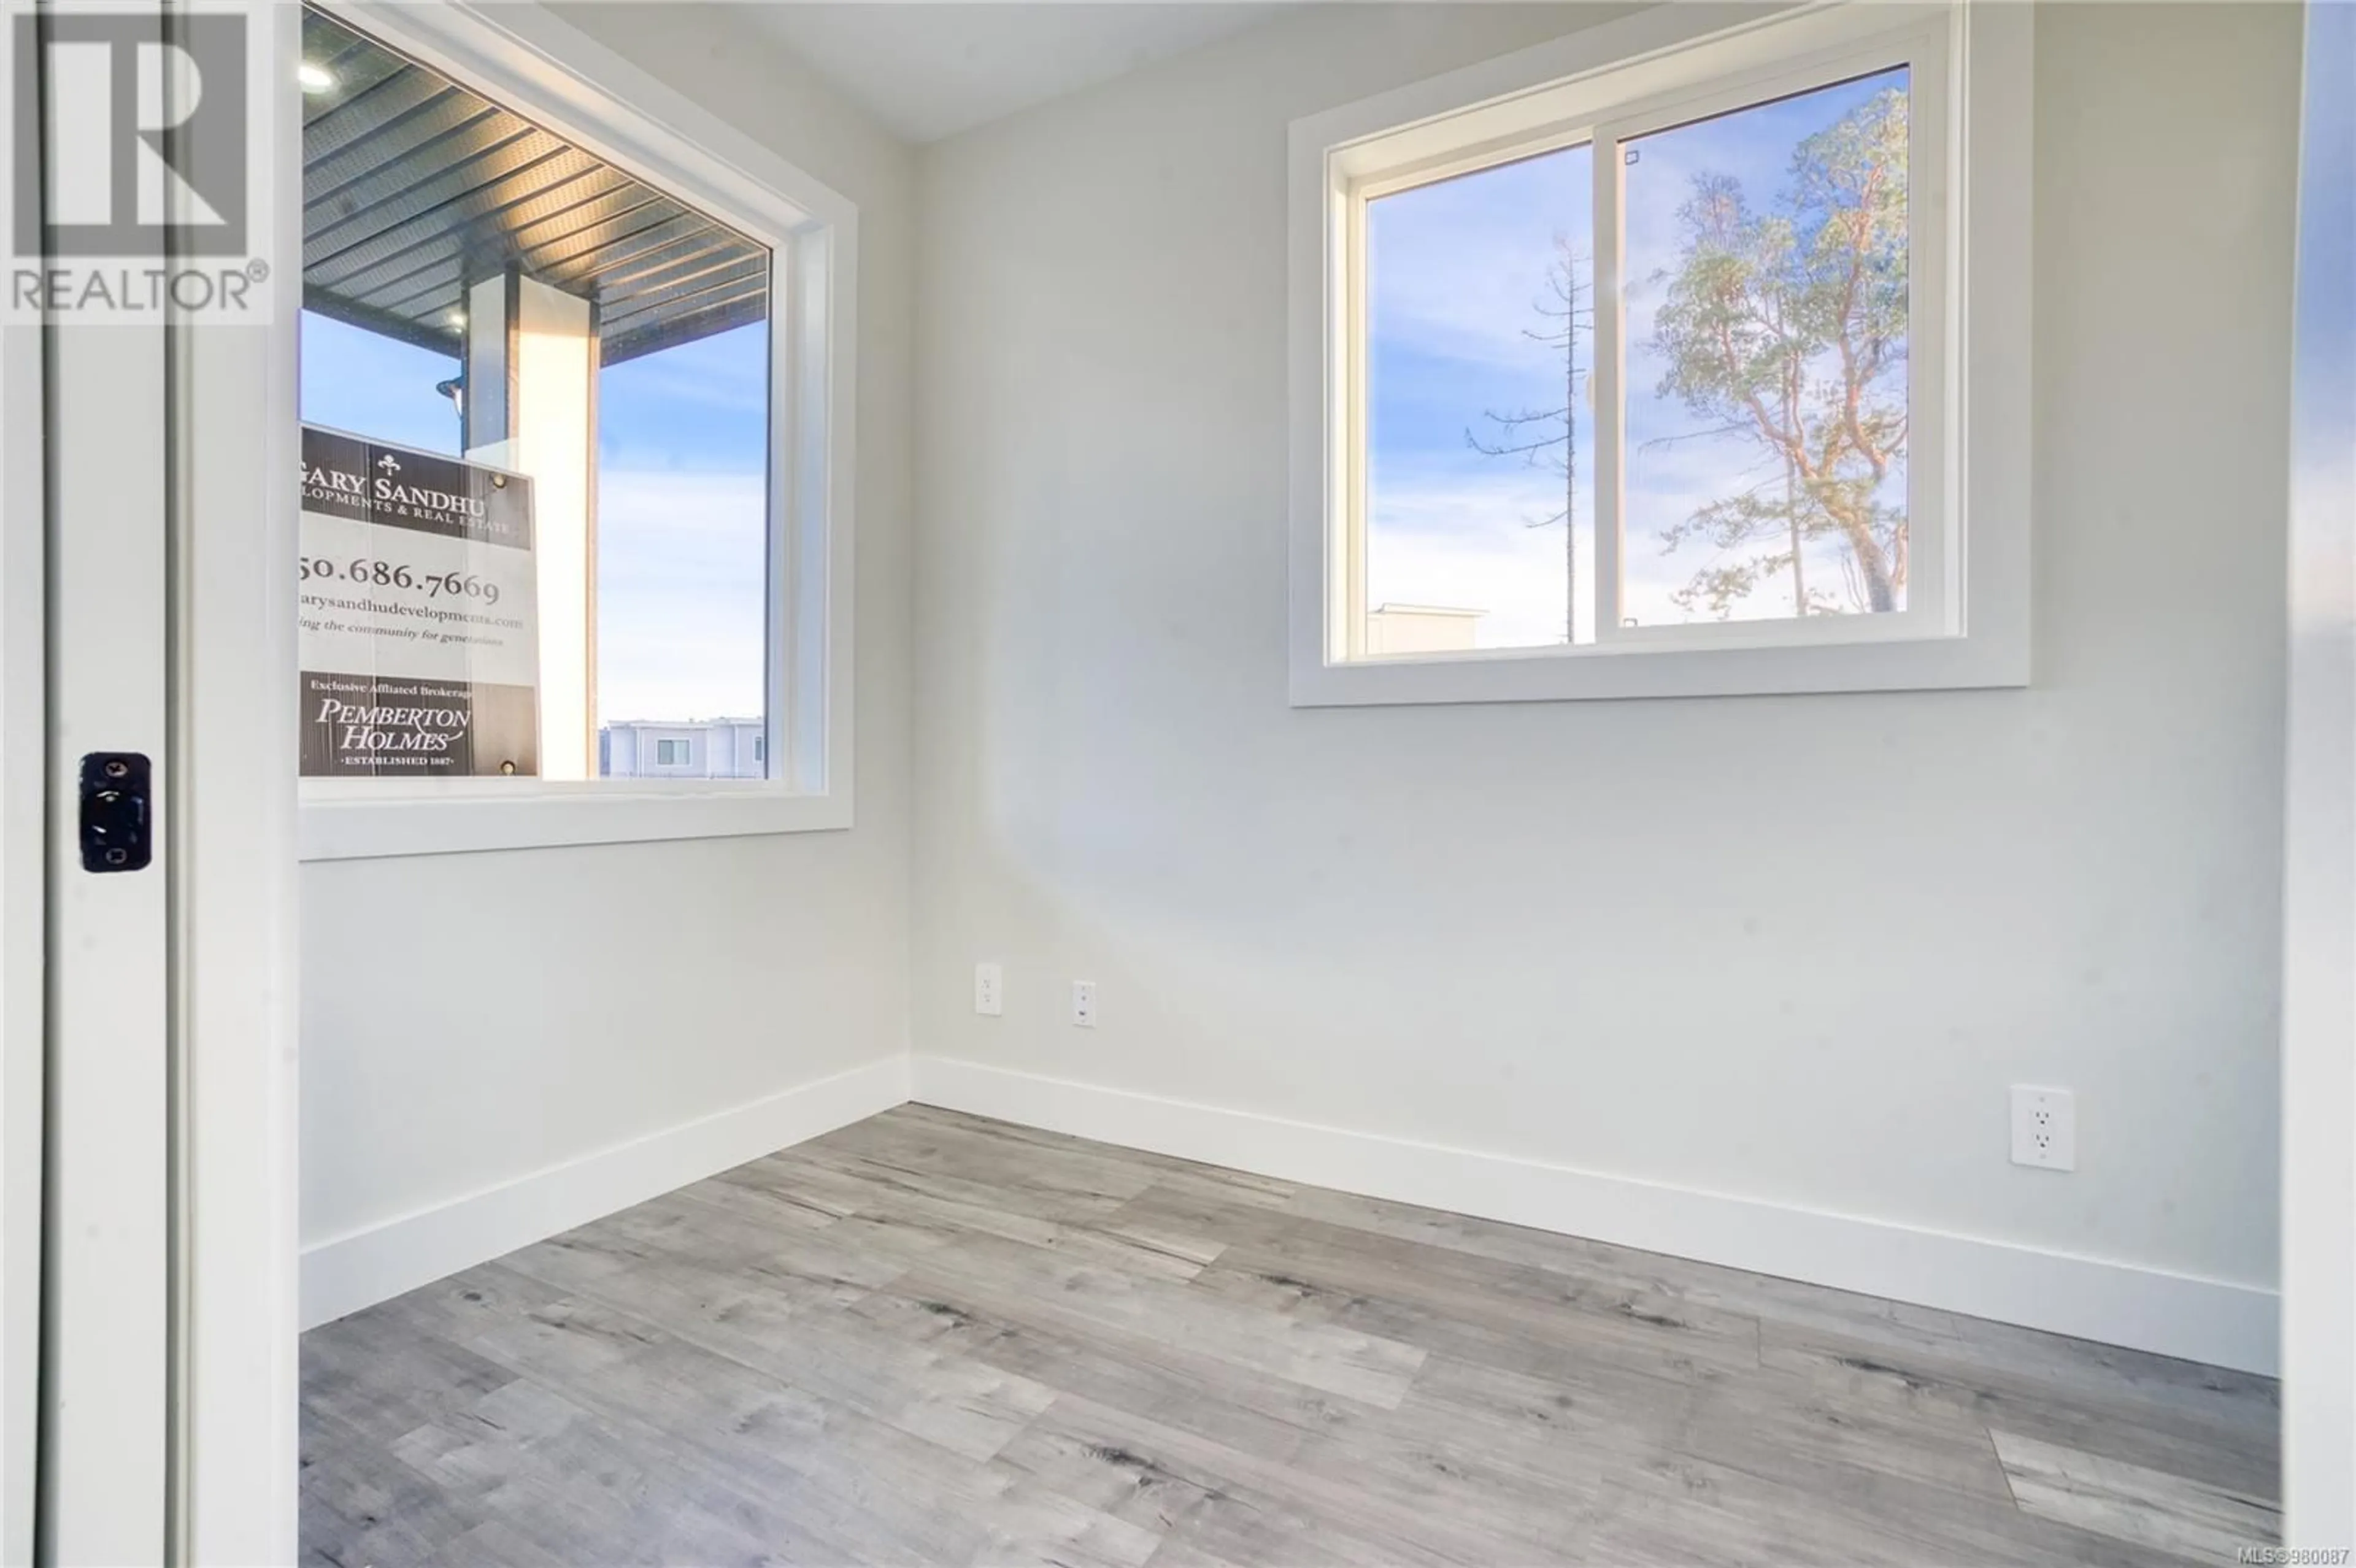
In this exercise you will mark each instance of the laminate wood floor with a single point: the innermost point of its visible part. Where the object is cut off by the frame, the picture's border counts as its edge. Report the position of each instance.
(934, 1339)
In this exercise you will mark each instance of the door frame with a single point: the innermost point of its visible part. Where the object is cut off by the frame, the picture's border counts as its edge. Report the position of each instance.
(229, 841)
(237, 959)
(24, 794)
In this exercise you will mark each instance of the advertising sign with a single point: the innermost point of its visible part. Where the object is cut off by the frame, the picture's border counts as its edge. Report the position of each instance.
(420, 646)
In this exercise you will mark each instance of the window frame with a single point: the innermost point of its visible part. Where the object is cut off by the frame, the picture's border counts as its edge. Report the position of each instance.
(533, 63)
(1968, 624)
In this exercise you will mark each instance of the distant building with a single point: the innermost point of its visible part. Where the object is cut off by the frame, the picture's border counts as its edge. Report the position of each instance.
(1420, 629)
(683, 749)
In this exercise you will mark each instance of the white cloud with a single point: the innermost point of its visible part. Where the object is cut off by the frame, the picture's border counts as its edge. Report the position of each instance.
(681, 595)
(1438, 536)
(1467, 543)
(1456, 269)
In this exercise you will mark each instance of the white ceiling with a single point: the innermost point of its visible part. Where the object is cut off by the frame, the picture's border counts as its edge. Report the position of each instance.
(929, 71)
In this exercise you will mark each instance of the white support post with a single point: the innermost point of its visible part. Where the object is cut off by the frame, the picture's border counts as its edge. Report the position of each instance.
(532, 405)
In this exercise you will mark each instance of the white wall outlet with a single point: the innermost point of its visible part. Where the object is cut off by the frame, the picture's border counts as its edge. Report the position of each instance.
(1083, 1004)
(989, 990)
(2044, 1127)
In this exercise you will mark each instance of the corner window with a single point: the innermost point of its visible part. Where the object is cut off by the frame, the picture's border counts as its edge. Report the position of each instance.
(570, 492)
(1651, 379)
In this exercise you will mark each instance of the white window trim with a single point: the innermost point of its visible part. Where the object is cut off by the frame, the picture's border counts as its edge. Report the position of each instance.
(522, 57)
(1688, 56)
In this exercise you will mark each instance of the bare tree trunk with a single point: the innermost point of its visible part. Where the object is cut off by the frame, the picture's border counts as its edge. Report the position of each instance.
(1571, 456)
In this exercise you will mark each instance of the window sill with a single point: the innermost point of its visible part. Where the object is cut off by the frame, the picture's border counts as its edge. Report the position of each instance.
(354, 827)
(1633, 670)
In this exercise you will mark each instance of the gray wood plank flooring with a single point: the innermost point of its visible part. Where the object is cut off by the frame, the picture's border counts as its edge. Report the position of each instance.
(935, 1338)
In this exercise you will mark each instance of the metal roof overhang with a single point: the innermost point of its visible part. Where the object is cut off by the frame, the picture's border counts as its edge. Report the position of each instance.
(414, 187)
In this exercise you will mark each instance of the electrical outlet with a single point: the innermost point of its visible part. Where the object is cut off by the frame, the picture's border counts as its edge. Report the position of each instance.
(989, 990)
(1083, 1004)
(2044, 1127)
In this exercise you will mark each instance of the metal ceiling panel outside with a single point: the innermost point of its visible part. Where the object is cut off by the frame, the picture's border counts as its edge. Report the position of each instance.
(413, 189)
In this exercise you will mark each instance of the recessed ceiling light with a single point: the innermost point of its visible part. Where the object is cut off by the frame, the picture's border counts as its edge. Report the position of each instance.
(457, 318)
(314, 78)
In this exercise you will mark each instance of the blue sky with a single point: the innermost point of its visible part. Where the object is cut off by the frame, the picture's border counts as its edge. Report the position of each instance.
(370, 385)
(1455, 271)
(682, 540)
(682, 494)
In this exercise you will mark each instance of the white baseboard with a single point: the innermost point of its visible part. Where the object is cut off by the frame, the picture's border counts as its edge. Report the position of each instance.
(360, 1268)
(2216, 1321)
(2210, 1320)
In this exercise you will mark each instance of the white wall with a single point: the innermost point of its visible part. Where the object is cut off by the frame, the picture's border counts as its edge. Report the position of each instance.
(1540, 931)
(471, 1020)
